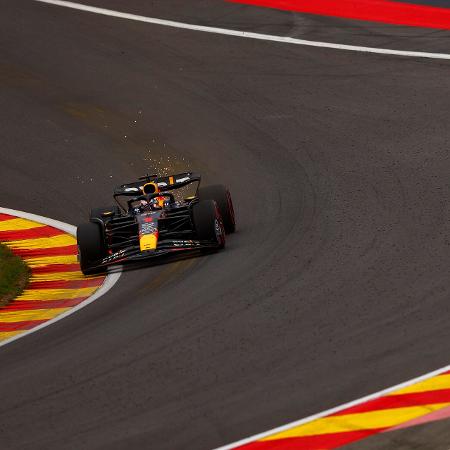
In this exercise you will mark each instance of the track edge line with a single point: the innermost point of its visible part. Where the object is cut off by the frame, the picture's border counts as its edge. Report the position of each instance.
(242, 34)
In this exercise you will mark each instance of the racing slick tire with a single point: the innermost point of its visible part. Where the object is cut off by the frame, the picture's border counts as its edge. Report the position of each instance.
(208, 222)
(90, 247)
(98, 213)
(221, 195)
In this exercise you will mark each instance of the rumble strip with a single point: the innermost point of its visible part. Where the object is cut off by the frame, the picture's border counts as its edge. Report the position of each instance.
(56, 286)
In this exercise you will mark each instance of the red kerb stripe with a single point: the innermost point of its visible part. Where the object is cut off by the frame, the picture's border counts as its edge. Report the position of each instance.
(400, 401)
(66, 284)
(385, 11)
(318, 442)
(18, 326)
(32, 233)
(38, 252)
(23, 305)
(56, 268)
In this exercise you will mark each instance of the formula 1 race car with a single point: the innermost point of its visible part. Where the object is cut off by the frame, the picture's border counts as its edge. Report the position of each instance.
(152, 222)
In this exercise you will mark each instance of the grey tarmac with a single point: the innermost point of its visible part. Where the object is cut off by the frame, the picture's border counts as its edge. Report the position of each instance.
(336, 283)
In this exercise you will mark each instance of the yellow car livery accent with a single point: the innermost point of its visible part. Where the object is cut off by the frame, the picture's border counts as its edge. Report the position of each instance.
(148, 242)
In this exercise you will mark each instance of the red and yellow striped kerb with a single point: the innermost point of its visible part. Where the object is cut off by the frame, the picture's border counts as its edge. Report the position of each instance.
(56, 283)
(424, 401)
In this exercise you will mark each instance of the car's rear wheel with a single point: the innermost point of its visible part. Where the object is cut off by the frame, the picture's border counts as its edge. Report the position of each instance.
(221, 195)
(208, 222)
(91, 247)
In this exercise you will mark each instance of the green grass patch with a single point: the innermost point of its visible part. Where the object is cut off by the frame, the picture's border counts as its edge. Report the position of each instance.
(14, 275)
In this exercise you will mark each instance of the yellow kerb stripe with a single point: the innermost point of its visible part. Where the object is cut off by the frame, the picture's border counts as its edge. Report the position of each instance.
(46, 260)
(63, 240)
(432, 384)
(31, 314)
(353, 422)
(19, 224)
(8, 334)
(55, 294)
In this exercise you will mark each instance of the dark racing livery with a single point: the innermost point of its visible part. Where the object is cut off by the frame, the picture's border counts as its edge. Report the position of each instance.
(149, 221)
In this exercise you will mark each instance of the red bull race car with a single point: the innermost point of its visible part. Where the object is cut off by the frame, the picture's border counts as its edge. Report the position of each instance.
(153, 218)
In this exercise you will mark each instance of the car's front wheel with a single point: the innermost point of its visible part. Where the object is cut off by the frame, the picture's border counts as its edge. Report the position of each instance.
(91, 247)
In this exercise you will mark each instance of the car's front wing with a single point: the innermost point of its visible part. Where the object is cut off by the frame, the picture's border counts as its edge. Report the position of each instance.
(164, 248)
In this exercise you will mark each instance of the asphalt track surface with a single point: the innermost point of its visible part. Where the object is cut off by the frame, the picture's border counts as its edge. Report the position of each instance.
(334, 286)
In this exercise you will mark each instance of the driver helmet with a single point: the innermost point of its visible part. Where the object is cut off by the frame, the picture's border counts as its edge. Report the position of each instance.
(157, 202)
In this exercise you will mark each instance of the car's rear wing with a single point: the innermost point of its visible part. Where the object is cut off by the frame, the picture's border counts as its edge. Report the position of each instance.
(166, 183)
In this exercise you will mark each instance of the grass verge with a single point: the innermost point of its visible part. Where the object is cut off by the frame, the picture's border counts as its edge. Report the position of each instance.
(14, 275)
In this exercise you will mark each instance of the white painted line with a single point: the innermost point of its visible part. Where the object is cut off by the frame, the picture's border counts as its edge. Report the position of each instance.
(110, 280)
(243, 34)
(45, 220)
(334, 410)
